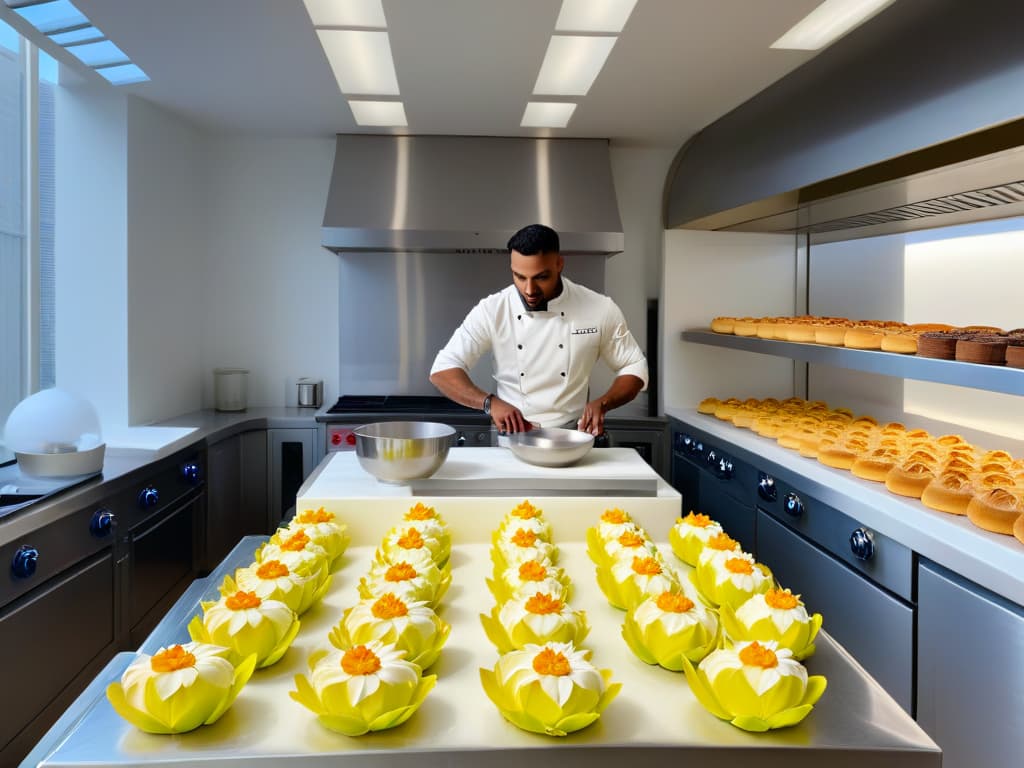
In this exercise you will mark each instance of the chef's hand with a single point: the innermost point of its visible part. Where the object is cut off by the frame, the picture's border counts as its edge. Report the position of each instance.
(592, 420)
(508, 418)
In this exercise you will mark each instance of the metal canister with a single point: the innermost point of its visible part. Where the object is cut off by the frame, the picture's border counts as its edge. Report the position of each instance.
(311, 393)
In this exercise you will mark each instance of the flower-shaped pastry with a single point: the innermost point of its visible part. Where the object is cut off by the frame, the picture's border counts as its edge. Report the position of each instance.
(271, 580)
(527, 517)
(534, 620)
(246, 625)
(408, 543)
(179, 688)
(369, 687)
(630, 579)
(756, 686)
(777, 615)
(551, 689)
(661, 630)
(689, 535)
(410, 626)
(517, 546)
(325, 530)
(297, 551)
(431, 526)
(730, 578)
(415, 582)
(632, 542)
(529, 578)
(614, 523)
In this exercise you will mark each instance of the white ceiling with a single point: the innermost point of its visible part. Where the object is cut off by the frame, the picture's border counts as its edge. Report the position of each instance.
(464, 66)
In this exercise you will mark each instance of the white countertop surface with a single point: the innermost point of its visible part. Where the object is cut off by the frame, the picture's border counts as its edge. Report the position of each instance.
(991, 560)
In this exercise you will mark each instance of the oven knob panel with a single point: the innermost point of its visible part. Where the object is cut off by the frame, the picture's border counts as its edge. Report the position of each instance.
(793, 505)
(862, 544)
(23, 565)
(149, 497)
(766, 487)
(712, 459)
(102, 523)
(190, 472)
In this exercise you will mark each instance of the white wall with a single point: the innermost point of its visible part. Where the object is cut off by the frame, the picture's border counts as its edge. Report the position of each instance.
(167, 254)
(707, 274)
(270, 291)
(90, 246)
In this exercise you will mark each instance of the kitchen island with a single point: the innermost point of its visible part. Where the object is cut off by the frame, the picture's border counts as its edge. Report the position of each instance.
(654, 719)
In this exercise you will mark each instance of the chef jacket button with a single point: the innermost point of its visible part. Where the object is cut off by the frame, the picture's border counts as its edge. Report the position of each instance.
(560, 346)
(520, 346)
(563, 373)
(563, 314)
(522, 373)
(519, 317)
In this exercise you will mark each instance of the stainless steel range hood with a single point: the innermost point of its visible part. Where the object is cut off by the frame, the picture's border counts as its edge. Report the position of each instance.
(466, 194)
(913, 121)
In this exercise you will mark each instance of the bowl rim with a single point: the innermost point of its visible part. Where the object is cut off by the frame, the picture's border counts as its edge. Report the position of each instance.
(576, 438)
(360, 431)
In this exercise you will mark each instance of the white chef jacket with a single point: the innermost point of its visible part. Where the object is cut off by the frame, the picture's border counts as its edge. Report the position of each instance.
(543, 360)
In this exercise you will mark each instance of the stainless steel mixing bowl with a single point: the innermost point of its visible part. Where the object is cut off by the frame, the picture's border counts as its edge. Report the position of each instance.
(399, 451)
(551, 447)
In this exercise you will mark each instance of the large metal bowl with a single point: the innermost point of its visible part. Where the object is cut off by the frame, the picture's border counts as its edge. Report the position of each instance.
(400, 451)
(551, 447)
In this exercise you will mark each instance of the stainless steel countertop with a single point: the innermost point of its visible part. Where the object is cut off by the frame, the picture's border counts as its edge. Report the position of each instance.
(855, 723)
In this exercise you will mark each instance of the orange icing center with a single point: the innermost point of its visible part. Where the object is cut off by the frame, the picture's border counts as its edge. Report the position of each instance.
(738, 565)
(525, 511)
(781, 598)
(541, 603)
(360, 661)
(172, 659)
(698, 520)
(420, 512)
(524, 538)
(670, 602)
(319, 516)
(646, 566)
(547, 662)
(242, 600)
(722, 542)
(631, 539)
(411, 540)
(615, 516)
(389, 607)
(531, 570)
(296, 543)
(756, 655)
(400, 572)
(272, 569)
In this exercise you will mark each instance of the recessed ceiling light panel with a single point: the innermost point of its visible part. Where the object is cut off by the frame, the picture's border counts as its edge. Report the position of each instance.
(547, 114)
(594, 15)
(571, 65)
(346, 13)
(361, 61)
(379, 113)
(828, 22)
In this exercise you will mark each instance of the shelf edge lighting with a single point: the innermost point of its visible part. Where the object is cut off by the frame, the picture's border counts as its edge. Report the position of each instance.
(351, 13)
(361, 61)
(547, 114)
(379, 113)
(608, 16)
(827, 23)
(571, 65)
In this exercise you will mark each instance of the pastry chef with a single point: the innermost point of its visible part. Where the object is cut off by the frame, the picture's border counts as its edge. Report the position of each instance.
(545, 333)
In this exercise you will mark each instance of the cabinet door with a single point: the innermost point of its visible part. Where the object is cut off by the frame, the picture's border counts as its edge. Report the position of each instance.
(291, 461)
(223, 499)
(255, 495)
(970, 682)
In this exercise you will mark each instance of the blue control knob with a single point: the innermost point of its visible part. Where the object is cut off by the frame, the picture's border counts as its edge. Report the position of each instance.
(149, 497)
(102, 523)
(24, 562)
(862, 544)
(766, 487)
(190, 472)
(793, 505)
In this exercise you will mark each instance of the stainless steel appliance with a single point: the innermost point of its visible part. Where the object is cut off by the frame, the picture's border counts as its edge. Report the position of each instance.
(310, 393)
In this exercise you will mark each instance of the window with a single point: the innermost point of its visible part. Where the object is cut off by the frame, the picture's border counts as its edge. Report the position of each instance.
(27, 276)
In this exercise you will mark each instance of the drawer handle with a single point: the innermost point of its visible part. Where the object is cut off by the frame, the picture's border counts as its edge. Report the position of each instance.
(794, 505)
(24, 562)
(862, 544)
(149, 497)
(766, 487)
(102, 523)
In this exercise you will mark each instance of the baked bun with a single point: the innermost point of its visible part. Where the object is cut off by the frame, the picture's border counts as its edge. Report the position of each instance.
(864, 337)
(875, 464)
(910, 478)
(996, 510)
(745, 326)
(707, 405)
(1018, 529)
(930, 327)
(900, 341)
(949, 492)
(832, 333)
(723, 324)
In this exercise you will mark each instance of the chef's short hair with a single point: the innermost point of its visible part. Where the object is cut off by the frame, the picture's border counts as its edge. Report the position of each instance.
(534, 239)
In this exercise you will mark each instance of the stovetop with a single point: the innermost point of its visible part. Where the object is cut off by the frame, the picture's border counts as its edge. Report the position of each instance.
(398, 404)
(17, 491)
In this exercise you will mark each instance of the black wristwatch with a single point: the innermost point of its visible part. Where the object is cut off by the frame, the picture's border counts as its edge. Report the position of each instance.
(487, 405)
